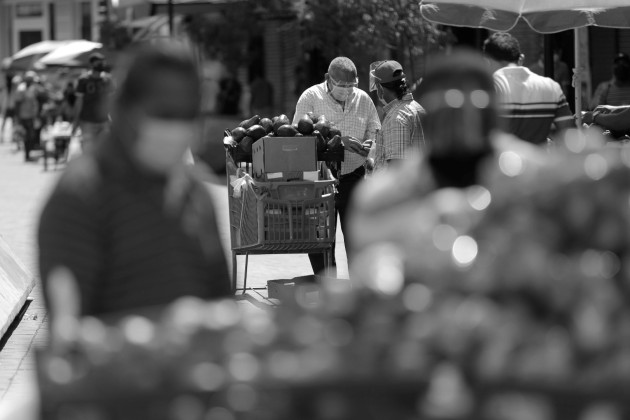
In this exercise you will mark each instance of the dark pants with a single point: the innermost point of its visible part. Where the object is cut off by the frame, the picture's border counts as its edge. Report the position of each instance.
(31, 136)
(347, 185)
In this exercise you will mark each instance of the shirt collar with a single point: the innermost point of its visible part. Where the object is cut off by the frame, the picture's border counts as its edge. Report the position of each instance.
(407, 97)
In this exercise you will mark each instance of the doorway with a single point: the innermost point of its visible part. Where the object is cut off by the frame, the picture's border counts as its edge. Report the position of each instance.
(26, 38)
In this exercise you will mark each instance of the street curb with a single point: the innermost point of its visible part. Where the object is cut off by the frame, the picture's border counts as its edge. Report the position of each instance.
(16, 283)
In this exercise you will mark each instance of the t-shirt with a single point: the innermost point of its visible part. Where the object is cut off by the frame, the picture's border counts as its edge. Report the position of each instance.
(358, 118)
(27, 99)
(529, 103)
(95, 89)
(609, 93)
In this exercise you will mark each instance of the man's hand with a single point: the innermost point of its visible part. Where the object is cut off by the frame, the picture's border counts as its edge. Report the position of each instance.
(353, 145)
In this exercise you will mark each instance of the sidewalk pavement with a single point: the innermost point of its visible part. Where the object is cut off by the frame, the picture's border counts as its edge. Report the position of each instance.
(24, 188)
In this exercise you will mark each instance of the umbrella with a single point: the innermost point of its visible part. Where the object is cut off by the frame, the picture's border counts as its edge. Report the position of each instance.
(543, 16)
(73, 54)
(26, 58)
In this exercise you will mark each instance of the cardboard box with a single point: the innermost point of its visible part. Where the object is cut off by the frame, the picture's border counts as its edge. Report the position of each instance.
(281, 155)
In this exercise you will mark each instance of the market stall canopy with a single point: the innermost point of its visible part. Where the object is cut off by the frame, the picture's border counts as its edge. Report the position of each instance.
(543, 16)
(73, 54)
(26, 58)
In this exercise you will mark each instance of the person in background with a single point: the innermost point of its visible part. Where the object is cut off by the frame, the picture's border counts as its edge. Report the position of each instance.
(129, 224)
(68, 102)
(261, 102)
(29, 98)
(352, 111)
(8, 103)
(463, 139)
(93, 93)
(529, 104)
(615, 92)
(401, 133)
(229, 97)
(615, 119)
(561, 72)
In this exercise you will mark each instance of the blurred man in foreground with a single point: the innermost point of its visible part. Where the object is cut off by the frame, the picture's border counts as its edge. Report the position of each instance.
(529, 103)
(129, 223)
(352, 111)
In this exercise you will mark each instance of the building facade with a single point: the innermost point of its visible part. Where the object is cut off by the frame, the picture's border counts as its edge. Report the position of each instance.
(24, 22)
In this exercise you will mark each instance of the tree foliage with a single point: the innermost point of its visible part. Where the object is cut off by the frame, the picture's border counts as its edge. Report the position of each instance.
(380, 28)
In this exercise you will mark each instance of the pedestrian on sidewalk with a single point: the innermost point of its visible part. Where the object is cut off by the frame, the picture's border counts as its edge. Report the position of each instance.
(401, 133)
(93, 93)
(129, 223)
(352, 111)
(29, 99)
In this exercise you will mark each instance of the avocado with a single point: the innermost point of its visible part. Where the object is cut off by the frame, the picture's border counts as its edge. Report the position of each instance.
(267, 124)
(238, 133)
(321, 141)
(256, 132)
(305, 125)
(286, 130)
(313, 116)
(229, 142)
(334, 132)
(323, 127)
(282, 120)
(246, 144)
(248, 123)
(335, 144)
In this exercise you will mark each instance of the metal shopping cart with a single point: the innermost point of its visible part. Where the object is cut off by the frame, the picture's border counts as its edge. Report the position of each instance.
(277, 217)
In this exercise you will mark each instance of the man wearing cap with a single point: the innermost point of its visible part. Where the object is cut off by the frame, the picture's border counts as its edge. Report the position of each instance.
(401, 134)
(352, 111)
(93, 91)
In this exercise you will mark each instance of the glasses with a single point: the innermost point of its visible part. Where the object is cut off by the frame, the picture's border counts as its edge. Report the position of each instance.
(344, 84)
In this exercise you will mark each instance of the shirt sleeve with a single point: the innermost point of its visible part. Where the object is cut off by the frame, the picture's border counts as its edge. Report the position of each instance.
(373, 123)
(69, 237)
(303, 106)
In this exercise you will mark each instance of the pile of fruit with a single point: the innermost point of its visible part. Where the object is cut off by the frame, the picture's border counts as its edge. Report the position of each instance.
(255, 128)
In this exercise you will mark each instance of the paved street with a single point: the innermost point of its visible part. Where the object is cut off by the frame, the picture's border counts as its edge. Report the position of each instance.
(23, 190)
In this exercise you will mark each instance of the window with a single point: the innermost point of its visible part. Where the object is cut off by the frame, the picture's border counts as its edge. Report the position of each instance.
(27, 38)
(86, 20)
(29, 10)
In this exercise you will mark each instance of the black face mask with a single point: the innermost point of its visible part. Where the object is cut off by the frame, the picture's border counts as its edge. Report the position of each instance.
(99, 67)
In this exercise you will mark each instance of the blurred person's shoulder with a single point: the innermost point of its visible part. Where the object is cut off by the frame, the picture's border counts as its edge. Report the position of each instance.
(392, 187)
(82, 178)
(506, 142)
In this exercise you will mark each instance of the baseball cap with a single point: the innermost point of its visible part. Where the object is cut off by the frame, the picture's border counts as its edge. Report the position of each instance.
(388, 71)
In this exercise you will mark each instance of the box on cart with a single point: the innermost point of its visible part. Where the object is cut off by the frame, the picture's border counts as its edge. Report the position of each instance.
(285, 159)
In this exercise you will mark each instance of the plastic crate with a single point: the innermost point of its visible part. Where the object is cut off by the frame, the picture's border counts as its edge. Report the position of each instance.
(297, 190)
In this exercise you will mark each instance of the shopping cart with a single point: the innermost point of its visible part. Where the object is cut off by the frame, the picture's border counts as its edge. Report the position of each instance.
(277, 218)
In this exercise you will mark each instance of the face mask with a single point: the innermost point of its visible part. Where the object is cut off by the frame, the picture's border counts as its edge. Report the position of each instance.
(162, 143)
(99, 67)
(340, 93)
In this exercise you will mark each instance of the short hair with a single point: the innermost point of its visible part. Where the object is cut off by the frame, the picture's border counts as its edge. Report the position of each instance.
(343, 64)
(502, 46)
(146, 59)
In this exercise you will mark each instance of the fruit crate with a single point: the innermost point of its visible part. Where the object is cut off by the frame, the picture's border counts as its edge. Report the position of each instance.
(297, 190)
(259, 222)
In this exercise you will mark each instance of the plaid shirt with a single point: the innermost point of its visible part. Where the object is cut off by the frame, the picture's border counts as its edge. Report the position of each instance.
(357, 119)
(401, 134)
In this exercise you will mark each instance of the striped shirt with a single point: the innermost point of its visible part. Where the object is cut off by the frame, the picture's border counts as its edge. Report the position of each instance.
(401, 134)
(358, 118)
(108, 225)
(530, 103)
(609, 93)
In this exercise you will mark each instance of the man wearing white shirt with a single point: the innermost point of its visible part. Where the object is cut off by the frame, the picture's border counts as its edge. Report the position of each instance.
(352, 111)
